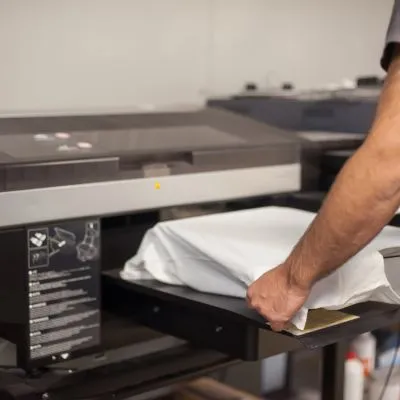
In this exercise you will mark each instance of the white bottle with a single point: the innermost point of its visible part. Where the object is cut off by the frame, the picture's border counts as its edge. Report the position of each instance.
(365, 348)
(354, 379)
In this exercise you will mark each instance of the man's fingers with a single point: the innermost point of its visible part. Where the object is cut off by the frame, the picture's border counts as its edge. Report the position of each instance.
(277, 326)
(276, 322)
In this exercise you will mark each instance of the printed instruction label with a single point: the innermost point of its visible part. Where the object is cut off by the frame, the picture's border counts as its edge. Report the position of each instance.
(64, 288)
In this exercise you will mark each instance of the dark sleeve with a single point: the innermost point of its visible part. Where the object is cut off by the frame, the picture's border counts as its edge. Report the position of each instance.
(392, 36)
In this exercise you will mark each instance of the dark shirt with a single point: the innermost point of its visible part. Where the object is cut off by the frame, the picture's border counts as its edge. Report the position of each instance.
(392, 36)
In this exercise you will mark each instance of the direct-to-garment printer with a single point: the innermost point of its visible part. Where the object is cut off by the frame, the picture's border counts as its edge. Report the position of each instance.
(342, 110)
(323, 154)
(331, 125)
(77, 195)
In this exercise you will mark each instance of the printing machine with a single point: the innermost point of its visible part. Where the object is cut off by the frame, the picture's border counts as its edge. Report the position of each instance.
(77, 195)
(331, 125)
(342, 110)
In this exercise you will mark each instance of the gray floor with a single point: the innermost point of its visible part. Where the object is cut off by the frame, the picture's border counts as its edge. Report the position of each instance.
(306, 377)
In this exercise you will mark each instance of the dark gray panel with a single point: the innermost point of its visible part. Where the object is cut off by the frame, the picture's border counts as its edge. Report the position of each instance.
(27, 146)
(27, 176)
(2, 179)
(167, 139)
(347, 110)
(206, 129)
(234, 158)
(36, 151)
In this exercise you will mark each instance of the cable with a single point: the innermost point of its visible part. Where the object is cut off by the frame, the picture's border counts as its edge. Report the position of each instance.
(389, 375)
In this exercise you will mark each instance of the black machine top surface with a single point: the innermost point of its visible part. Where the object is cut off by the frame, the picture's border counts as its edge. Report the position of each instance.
(42, 139)
(342, 110)
(342, 94)
(39, 152)
(137, 140)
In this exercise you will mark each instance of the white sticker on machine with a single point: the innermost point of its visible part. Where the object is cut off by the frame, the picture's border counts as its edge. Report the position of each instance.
(64, 288)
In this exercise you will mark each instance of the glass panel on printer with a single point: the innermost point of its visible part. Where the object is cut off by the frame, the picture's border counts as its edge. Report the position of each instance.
(180, 138)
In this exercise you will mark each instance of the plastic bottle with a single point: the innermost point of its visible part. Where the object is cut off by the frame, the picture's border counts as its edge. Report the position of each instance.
(365, 348)
(354, 379)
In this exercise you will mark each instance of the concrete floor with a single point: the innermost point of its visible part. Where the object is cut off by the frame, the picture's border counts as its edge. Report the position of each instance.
(306, 378)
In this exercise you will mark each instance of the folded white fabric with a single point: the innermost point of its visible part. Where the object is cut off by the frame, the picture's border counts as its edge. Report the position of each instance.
(224, 253)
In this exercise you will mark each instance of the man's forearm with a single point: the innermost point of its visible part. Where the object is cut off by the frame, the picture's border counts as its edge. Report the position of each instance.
(363, 199)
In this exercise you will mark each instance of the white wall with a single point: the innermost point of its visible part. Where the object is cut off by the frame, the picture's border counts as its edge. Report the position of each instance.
(312, 42)
(79, 55)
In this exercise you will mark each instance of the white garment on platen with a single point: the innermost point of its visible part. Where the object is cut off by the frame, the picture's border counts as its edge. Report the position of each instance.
(224, 253)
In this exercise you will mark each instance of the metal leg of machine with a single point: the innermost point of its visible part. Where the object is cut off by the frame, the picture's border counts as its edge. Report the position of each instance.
(333, 371)
(289, 373)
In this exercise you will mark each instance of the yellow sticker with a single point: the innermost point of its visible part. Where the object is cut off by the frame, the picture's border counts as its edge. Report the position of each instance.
(157, 185)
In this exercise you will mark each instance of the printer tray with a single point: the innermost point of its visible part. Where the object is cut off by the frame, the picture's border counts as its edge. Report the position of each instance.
(226, 324)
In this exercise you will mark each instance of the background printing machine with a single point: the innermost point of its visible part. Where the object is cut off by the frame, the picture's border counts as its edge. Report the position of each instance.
(349, 110)
(332, 122)
(77, 195)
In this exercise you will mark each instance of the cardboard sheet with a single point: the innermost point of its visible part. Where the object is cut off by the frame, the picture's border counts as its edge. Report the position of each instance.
(321, 319)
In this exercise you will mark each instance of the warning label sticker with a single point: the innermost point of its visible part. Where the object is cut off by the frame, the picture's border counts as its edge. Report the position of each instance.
(64, 288)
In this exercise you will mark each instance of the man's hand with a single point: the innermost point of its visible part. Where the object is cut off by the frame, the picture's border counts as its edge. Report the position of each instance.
(277, 297)
(360, 203)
